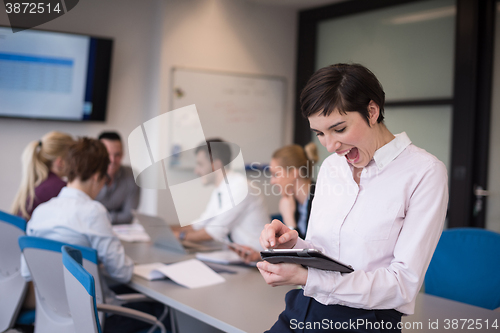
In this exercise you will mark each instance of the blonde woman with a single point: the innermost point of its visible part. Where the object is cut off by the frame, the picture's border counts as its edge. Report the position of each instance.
(42, 170)
(292, 170)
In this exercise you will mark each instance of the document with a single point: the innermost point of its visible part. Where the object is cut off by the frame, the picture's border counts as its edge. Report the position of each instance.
(189, 273)
(220, 257)
(131, 233)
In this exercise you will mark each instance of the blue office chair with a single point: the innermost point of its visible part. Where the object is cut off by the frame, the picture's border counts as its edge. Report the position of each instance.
(466, 267)
(80, 291)
(13, 286)
(44, 260)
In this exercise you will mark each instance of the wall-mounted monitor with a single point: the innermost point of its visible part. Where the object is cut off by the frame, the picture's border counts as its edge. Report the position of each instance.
(53, 75)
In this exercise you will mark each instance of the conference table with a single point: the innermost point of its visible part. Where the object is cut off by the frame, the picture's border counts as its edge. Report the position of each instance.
(245, 303)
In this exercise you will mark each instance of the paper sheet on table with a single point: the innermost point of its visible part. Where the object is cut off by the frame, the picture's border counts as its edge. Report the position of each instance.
(149, 271)
(190, 273)
(220, 257)
(131, 233)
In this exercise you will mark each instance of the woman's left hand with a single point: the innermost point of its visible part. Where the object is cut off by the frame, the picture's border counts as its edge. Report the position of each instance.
(282, 274)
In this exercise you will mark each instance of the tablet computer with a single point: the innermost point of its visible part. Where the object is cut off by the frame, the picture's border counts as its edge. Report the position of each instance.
(305, 257)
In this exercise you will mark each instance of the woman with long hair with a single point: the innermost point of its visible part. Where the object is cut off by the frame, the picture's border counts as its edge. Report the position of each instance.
(292, 170)
(42, 172)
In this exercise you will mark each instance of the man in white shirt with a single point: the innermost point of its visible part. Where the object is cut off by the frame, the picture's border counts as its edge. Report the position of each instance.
(221, 221)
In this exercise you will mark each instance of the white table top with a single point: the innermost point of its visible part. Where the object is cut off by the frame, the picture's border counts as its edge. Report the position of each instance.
(442, 313)
(245, 303)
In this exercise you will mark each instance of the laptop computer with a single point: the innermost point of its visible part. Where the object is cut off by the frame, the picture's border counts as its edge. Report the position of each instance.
(162, 235)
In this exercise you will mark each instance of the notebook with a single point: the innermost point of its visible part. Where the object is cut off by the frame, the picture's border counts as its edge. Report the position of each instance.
(189, 273)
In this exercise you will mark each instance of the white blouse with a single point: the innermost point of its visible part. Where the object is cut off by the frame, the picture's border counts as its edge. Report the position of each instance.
(74, 218)
(387, 228)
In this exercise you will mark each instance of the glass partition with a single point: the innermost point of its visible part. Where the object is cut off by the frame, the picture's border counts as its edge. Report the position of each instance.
(410, 48)
(428, 128)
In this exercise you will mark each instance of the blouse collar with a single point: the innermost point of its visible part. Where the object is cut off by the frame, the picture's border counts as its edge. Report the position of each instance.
(386, 154)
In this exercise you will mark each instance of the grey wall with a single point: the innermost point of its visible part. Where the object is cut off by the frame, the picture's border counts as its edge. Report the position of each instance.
(150, 37)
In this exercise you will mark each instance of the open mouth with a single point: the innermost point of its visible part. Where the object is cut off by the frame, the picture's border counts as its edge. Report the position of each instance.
(352, 155)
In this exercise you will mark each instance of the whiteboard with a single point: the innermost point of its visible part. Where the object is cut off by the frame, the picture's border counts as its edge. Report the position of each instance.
(247, 110)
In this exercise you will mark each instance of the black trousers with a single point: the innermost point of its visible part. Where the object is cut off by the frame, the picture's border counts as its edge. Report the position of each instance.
(304, 314)
(120, 324)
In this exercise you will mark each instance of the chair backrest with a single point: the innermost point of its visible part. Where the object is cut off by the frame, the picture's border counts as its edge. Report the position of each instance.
(80, 290)
(44, 260)
(12, 284)
(466, 267)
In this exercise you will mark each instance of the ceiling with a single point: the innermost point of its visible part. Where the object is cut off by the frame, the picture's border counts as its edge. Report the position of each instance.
(297, 4)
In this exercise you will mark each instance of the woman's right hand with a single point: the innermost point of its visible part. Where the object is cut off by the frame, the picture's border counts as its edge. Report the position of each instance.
(276, 235)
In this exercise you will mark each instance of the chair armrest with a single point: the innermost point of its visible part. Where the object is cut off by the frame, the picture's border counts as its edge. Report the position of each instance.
(126, 312)
(135, 297)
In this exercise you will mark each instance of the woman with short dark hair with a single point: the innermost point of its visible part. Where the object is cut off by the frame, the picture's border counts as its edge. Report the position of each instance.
(379, 206)
(74, 217)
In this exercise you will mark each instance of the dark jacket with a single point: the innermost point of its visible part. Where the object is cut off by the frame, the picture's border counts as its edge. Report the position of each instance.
(309, 206)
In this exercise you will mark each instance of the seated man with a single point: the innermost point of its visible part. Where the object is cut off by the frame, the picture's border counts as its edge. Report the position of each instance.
(121, 194)
(220, 221)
